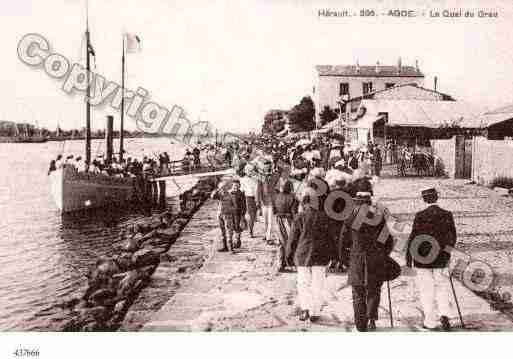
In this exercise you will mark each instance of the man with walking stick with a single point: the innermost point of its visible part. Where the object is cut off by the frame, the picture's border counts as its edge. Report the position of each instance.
(433, 235)
(369, 264)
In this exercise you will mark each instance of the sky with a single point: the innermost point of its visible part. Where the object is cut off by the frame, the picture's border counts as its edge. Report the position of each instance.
(229, 62)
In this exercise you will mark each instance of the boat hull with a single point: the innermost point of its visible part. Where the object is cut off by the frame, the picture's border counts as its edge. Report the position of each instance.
(73, 191)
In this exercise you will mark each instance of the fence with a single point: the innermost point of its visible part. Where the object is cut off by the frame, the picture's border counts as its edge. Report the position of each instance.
(479, 159)
(455, 155)
(491, 159)
(446, 151)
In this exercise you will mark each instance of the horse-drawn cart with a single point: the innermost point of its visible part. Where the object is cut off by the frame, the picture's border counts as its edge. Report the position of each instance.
(420, 163)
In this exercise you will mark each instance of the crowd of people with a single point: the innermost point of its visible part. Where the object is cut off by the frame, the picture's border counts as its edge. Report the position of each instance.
(315, 198)
(155, 164)
(126, 167)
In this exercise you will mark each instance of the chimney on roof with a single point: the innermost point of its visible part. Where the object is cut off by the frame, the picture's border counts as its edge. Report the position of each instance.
(399, 65)
(377, 67)
(357, 67)
(436, 82)
(417, 65)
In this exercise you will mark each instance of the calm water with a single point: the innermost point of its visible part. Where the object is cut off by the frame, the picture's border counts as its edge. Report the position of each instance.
(43, 255)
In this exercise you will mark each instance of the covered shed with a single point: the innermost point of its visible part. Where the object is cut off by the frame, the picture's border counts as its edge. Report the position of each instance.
(408, 121)
(498, 123)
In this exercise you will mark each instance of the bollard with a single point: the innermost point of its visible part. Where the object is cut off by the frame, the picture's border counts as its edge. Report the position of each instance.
(155, 192)
(148, 193)
(162, 194)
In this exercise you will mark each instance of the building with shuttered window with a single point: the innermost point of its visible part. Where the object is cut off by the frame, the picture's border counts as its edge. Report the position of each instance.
(339, 83)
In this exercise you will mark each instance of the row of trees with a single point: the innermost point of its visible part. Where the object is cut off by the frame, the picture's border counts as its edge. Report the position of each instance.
(301, 117)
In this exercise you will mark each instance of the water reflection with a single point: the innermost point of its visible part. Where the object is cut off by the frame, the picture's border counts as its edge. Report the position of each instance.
(44, 255)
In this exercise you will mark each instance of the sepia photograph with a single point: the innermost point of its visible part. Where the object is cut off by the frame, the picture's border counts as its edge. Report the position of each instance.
(340, 171)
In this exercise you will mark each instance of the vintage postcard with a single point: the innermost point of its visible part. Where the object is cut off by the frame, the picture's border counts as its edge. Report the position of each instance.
(252, 167)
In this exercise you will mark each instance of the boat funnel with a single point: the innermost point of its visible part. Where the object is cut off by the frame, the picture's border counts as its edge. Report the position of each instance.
(109, 138)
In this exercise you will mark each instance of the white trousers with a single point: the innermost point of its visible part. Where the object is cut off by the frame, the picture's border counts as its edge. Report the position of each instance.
(267, 213)
(434, 290)
(310, 288)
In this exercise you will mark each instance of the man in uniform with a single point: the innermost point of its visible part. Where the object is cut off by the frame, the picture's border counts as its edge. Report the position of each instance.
(432, 237)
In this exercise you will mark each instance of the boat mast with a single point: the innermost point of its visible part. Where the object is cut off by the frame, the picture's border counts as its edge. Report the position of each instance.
(88, 105)
(121, 123)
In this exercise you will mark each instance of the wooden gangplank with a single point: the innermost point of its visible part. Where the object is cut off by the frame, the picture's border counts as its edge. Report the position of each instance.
(198, 174)
(182, 169)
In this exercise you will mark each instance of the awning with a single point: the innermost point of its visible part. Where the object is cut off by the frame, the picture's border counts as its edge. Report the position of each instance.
(333, 125)
(417, 113)
(489, 119)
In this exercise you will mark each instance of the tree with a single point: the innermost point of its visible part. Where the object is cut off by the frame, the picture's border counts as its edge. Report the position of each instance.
(327, 115)
(278, 125)
(301, 116)
(273, 121)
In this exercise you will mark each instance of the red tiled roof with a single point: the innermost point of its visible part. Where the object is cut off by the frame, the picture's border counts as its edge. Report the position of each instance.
(367, 71)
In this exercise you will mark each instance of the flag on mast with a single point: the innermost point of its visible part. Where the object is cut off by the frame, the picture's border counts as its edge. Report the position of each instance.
(91, 49)
(133, 43)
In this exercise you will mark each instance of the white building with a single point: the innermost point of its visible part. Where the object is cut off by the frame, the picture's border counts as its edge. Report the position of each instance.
(343, 82)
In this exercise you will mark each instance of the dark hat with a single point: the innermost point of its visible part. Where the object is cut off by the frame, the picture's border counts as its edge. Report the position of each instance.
(429, 192)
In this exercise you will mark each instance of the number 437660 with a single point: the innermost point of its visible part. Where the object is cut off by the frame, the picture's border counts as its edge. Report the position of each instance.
(23, 352)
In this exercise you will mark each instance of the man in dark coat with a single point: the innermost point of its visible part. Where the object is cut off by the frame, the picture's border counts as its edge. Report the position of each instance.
(335, 211)
(377, 160)
(325, 155)
(432, 237)
(362, 184)
(285, 207)
(311, 250)
(264, 198)
(367, 259)
(196, 154)
(353, 161)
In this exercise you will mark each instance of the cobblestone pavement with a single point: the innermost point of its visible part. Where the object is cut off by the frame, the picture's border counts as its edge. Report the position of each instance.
(243, 292)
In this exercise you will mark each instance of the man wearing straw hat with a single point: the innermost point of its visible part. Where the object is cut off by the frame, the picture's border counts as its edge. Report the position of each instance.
(432, 237)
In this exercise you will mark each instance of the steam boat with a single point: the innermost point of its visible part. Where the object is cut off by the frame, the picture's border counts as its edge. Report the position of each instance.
(75, 191)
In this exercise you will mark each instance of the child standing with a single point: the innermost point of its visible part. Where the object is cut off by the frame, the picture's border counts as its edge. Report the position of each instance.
(232, 210)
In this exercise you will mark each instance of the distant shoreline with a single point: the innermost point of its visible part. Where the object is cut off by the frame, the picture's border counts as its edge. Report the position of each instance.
(38, 139)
